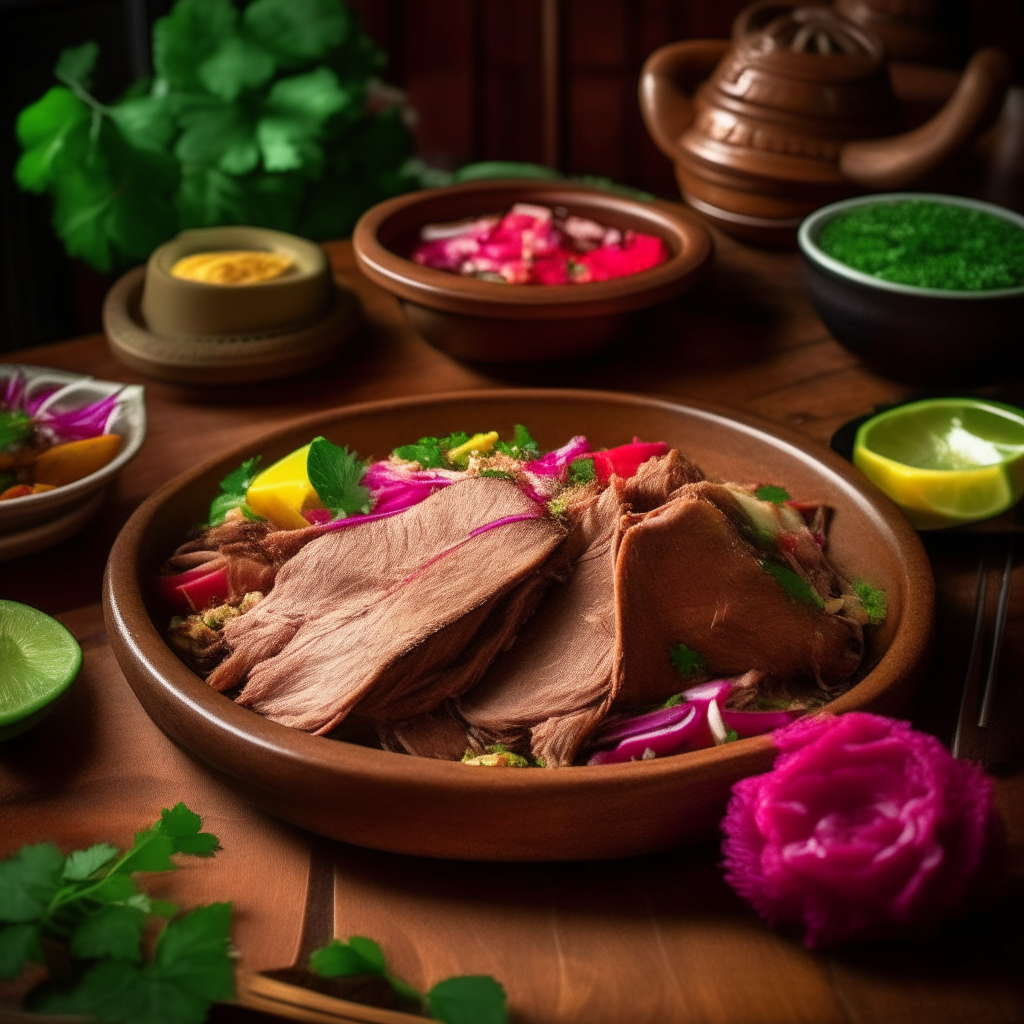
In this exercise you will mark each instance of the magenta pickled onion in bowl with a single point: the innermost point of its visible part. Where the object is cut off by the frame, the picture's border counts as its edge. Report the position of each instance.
(533, 244)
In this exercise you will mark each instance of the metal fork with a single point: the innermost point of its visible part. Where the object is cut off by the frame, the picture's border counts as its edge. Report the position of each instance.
(973, 736)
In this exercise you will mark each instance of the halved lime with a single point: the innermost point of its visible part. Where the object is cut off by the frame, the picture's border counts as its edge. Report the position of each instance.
(945, 461)
(39, 660)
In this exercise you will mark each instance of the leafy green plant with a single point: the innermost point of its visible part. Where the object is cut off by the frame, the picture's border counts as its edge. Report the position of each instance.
(472, 999)
(271, 116)
(84, 917)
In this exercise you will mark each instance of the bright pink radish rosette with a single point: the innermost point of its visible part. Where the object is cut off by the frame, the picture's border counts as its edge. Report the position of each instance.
(864, 828)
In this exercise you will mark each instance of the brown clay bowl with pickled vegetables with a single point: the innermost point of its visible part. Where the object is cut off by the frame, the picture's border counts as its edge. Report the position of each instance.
(426, 807)
(484, 321)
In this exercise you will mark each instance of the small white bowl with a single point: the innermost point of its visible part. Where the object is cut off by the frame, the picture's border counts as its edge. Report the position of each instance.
(75, 390)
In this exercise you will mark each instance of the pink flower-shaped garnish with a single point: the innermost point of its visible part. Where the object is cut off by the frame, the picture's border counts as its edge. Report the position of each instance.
(864, 828)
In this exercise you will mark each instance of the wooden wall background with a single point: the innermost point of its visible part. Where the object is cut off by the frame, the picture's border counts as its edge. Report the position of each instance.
(474, 69)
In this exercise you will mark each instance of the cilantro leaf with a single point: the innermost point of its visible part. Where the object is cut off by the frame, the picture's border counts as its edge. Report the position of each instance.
(340, 959)
(112, 931)
(188, 36)
(769, 492)
(117, 888)
(474, 999)
(239, 63)
(686, 662)
(183, 825)
(150, 852)
(76, 64)
(192, 952)
(792, 583)
(15, 427)
(674, 701)
(233, 489)
(522, 446)
(28, 881)
(43, 130)
(498, 474)
(83, 863)
(19, 945)
(431, 452)
(298, 31)
(581, 471)
(873, 600)
(335, 474)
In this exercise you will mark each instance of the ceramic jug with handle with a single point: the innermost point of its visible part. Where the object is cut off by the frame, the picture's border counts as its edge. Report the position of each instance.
(796, 111)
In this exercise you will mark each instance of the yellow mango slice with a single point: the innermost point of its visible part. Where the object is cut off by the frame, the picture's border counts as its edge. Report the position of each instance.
(479, 443)
(65, 463)
(282, 492)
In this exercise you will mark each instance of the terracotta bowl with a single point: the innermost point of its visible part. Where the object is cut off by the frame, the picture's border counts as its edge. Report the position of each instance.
(433, 808)
(482, 321)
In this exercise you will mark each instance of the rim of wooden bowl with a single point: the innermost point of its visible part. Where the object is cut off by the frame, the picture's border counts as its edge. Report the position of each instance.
(689, 242)
(230, 737)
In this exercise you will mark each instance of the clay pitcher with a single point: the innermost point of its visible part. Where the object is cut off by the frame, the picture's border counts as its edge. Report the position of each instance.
(798, 111)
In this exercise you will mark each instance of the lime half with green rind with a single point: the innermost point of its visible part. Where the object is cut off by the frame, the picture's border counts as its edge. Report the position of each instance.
(39, 660)
(945, 461)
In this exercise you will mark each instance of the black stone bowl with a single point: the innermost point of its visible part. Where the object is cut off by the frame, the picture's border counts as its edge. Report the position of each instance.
(918, 335)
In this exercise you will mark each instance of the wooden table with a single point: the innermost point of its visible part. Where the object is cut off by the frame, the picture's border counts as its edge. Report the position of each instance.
(653, 940)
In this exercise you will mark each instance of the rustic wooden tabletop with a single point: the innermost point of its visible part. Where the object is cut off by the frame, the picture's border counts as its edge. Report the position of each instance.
(653, 940)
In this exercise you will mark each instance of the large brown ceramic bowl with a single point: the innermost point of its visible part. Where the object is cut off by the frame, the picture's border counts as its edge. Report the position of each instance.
(483, 321)
(445, 809)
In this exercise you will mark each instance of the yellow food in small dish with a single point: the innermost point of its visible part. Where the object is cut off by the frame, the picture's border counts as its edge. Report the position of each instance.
(945, 461)
(232, 267)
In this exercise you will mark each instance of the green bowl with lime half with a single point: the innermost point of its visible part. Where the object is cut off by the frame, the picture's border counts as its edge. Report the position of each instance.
(39, 660)
(945, 461)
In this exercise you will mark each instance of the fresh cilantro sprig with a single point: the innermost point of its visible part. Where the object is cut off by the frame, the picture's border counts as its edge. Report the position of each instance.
(233, 489)
(89, 902)
(335, 474)
(472, 999)
(432, 452)
(268, 113)
(521, 447)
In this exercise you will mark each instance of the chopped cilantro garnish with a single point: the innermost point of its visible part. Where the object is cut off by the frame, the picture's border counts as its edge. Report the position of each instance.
(770, 492)
(792, 583)
(499, 474)
(581, 471)
(731, 735)
(674, 701)
(873, 600)
(431, 452)
(232, 492)
(686, 662)
(335, 474)
(522, 446)
(15, 428)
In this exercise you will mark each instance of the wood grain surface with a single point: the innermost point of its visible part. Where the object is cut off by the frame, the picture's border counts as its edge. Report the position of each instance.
(654, 940)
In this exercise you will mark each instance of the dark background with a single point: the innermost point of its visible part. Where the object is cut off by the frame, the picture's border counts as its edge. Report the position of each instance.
(472, 68)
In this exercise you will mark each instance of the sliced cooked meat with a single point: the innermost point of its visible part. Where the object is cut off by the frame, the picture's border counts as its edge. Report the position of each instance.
(563, 663)
(656, 479)
(374, 612)
(685, 575)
